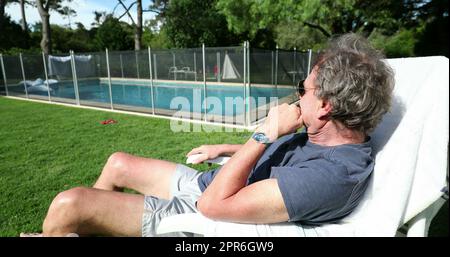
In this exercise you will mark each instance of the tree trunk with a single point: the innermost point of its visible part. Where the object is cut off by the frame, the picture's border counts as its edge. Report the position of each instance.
(23, 23)
(2, 14)
(138, 29)
(46, 43)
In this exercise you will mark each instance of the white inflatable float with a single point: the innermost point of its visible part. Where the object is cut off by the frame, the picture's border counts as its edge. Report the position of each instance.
(39, 85)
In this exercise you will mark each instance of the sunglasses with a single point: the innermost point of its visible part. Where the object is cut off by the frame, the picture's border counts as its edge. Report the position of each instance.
(301, 90)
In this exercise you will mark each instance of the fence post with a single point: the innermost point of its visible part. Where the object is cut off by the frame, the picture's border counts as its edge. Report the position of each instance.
(309, 60)
(4, 74)
(249, 107)
(121, 64)
(245, 85)
(276, 72)
(156, 70)
(204, 79)
(23, 75)
(295, 66)
(175, 72)
(109, 78)
(74, 77)
(271, 66)
(46, 76)
(195, 65)
(218, 66)
(137, 63)
(151, 79)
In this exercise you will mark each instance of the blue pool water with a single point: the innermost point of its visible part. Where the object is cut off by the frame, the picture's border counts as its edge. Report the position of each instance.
(222, 99)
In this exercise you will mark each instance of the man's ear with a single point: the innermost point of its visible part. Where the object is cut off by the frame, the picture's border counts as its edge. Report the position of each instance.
(324, 109)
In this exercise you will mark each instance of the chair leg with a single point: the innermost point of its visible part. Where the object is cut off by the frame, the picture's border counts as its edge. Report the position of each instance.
(420, 224)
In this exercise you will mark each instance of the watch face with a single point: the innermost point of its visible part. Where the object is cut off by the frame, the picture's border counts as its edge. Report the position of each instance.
(260, 137)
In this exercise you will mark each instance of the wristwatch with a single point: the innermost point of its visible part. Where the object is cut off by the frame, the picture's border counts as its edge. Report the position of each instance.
(260, 137)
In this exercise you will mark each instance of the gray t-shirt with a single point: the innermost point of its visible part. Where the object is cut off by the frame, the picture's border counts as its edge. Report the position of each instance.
(319, 184)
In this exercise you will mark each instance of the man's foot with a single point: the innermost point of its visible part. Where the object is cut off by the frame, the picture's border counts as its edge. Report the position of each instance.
(31, 234)
(72, 235)
(41, 235)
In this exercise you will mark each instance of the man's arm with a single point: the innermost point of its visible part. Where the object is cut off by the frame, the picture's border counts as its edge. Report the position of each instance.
(227, 197)
(229, 149)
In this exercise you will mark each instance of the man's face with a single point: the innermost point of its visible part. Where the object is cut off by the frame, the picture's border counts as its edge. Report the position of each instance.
(309, 103)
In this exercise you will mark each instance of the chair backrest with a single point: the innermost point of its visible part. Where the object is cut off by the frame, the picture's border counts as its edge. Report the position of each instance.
(411, 147)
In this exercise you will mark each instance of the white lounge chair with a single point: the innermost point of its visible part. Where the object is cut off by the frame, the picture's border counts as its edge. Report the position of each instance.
(411, 171)
(174, 70)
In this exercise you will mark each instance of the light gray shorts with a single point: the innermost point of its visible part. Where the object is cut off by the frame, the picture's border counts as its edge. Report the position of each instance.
(184, 191)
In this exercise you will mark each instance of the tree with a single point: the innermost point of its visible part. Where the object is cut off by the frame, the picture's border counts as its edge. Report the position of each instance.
(12, 36)
(433, 39)
(99, 18)
(2, 15)
(114, 35)
(295, 34)
(137, 25)
(44, 7)
(158, 6)
(153, 36)
(189, 23)
(400, 44)
(22, 3)
(249, 16)
(395, 25)
(66, 39)
(46, 43)
(23, 22)
(67, 12)
(327, 16)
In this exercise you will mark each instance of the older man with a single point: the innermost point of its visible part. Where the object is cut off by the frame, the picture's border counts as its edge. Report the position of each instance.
(278, 175)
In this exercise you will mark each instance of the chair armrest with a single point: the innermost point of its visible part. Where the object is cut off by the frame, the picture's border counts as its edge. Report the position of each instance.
(188, 222)
(221, 160)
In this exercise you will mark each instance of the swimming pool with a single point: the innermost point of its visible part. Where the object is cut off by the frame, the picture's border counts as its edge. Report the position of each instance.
(225, 100)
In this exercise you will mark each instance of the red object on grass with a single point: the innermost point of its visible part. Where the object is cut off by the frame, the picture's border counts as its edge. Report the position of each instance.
(110, 121)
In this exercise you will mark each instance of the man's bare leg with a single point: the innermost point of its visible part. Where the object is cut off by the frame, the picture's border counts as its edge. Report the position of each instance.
(101, 210)
(90, 211)
(145, 175)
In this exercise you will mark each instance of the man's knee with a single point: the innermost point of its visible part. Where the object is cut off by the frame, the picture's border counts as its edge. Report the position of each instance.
(117, 169)
(118, 160)
(65, 209)
(70, 197)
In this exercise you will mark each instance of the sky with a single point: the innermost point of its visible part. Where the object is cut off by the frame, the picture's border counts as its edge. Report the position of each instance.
(85, 12)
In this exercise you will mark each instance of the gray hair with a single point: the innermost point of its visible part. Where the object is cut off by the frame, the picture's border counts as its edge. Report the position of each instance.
(355, 79)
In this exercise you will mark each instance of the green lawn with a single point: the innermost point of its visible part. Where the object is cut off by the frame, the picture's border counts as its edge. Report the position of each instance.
(45, 149)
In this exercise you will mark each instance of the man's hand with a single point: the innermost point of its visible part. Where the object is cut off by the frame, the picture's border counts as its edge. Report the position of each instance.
(281, 120)
(207, 152)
